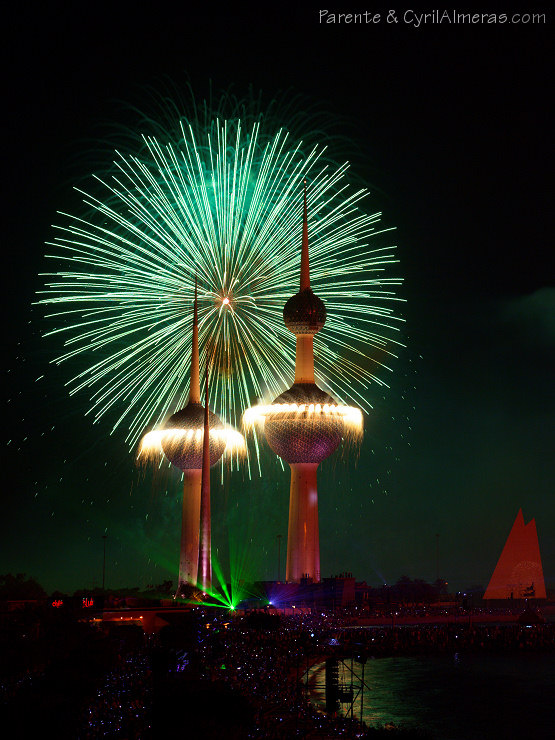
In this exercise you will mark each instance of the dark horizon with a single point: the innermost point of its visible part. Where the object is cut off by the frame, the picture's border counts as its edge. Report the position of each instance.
(450, 126)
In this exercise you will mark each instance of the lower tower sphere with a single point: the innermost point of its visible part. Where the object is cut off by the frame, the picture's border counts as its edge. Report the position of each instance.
(309, 435)
(184, 448)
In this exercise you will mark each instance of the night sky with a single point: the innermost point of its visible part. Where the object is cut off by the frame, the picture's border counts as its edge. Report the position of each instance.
(450, 127)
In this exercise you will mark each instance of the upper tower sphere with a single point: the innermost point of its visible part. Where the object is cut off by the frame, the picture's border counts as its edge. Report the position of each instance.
(304, 313)
(184, 449)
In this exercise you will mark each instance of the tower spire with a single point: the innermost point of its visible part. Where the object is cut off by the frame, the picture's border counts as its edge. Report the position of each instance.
(305, 272)
(205, 555)
(194, 391)
(304, 313)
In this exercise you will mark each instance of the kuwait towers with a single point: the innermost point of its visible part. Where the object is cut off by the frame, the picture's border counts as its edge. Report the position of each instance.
(184, 446)
(305, 425)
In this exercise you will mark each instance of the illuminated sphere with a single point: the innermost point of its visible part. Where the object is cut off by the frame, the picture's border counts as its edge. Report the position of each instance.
(186, 453)
(305, 437)
(304, 313)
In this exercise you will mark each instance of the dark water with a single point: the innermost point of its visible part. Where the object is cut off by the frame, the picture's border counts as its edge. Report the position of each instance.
(461, 697)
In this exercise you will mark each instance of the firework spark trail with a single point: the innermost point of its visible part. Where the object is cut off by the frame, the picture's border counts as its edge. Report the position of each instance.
(227, 209)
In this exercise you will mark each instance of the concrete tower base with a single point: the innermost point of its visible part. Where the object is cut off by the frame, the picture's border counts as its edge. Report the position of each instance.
(188, 559)
(303, 541)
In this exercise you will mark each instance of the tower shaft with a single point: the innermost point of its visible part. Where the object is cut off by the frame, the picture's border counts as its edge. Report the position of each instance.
(190, 515)
(304, 359)
(303, 540)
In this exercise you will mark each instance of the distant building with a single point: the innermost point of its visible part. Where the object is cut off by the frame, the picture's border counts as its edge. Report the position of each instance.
(518, 573)
(339, 591)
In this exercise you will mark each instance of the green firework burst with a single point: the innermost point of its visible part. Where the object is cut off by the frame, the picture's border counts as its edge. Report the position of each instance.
(222, 203)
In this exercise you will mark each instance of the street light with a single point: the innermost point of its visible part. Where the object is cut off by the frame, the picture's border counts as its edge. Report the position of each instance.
(104, 537)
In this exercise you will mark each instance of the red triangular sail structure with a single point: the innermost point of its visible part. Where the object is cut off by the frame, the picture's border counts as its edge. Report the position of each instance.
(518, 573)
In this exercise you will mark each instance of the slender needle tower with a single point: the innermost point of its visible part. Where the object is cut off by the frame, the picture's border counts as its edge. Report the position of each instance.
(301, 428)
(185, 450)
(205, 545)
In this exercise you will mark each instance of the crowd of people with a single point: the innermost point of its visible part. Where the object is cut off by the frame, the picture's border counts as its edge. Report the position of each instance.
(269, 663)
(121, 706)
